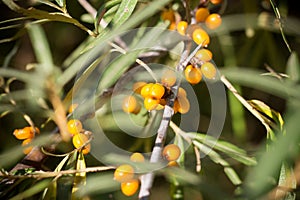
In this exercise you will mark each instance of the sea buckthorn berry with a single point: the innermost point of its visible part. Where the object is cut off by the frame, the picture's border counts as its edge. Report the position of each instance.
(201, 37)
(183, 105)
(137, 87)
(171, 152)
(130, 187)
(181, 92)
(79, 140)
(193, 75)
(168, 15)
(172, 26)
(124, 173)
(74, 126)
(146, 90)
(173, 164)
(181, 27)
(137, 157)
(204, 55)
(72, 107)
(208, 70)
(157, 91)
(213, 21)
(201, 14)
(151, 104)
(25, 143)
(25, 133)
(216, 1)
(131, 105)
(168, 78)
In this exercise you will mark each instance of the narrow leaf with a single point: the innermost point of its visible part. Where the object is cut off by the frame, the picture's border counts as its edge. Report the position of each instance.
(124, 12)
(293, 67)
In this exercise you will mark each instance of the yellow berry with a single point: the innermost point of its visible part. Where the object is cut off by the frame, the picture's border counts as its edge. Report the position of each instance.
(131, 105)
(72, 107)
(137, 157)
(25, 143)
(213, 21)
(130, 187)
(216, 1)
(173, 164)
(181, 27)
(150, 103)
(137, 87)
(74, 126)
(168, 78)
(201, 14)
(146, 90)
(208, 70)
(201, 37)
(171, 152)
(183, 105)
(157, 91)
(181, 92)
(79, 140)
(25, 133)
(192, 75)
(172, 26)
(204, 55)
(124, 173)
(168, 15)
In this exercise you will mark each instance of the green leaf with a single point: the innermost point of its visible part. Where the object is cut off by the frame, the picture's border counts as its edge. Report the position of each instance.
(61, 3)
(124, 12)
(287, 180)
(293, 67)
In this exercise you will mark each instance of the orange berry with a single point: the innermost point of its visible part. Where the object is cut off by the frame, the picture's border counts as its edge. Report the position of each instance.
(74, 126)
(72, 107)
(201, 14)
(130, 187)
(173, 164)
(146, 90)
(168, 15)
(124, 173)
(181, 92)
(172, 26)
(171, 152)
(216, 1)
(151, 104)
(137, 157)
(168, 78)
(208, 70)
(201, 37)
(137, 86)
(204, 55)
(25, 143)
(193, 75)
(79, 140)
(25, 133)
(213, 21)
(157, 91)
(131, 105)
(181, 27)
(183, 105)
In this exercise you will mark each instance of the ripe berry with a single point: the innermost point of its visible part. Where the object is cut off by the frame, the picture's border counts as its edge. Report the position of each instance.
(25, 133)
(151, 104)
(137, 157)
(168, 15)
(130, 187)
(204, 55)
(183, 105)
(172, 26)
(216, 1)
(173, 164)
(181, 92)
(168, 78)
(137, 86)
(201, 37)
(157, 91)
(171, 152)
(208, 70)
(146, 90)
(79, 140)
(72, 107)
(131, 105)
(213, 21)
(124, 173)
(181, 27)
(201, 14)
(74, 126)
(25, 143)
(193, 75)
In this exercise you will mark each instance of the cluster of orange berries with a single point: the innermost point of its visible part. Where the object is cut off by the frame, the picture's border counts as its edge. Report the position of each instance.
(79, 137)
(155, 95)
(26, 134)
(125, 173)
